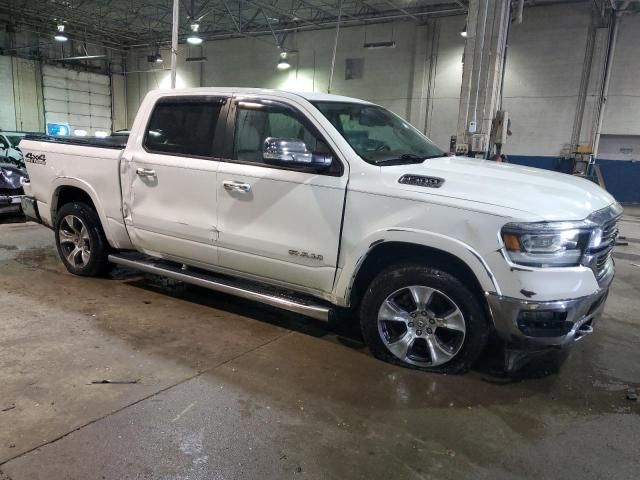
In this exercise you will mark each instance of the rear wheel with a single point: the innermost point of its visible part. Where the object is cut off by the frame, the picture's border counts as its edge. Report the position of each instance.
(80, 240)
(423, 318)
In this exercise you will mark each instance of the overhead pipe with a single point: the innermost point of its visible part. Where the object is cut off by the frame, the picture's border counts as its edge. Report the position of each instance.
(335, 48)
(604, 93)
(584, 83)
(174, 42)
(479, 74)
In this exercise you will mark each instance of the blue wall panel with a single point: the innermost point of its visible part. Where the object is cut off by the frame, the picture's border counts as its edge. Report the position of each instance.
(622, 177)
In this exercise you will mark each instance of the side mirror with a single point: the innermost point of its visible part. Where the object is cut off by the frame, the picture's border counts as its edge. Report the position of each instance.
(293, 152)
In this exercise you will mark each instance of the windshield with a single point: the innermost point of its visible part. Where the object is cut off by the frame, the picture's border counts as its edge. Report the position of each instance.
(377, 135)
(14, 140)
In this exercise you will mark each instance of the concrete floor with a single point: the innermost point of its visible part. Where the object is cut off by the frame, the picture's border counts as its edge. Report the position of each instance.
(228, 389)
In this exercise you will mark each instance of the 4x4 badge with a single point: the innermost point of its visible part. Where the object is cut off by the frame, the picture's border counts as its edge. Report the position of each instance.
(32, 158)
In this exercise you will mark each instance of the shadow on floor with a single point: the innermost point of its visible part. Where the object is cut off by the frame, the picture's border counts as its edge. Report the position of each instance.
(344, 330)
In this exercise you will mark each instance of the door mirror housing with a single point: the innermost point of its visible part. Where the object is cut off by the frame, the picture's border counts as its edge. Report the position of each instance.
(293, 152)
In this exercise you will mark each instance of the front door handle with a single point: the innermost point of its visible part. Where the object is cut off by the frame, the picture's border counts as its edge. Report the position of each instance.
(235, 186)
(145, 172)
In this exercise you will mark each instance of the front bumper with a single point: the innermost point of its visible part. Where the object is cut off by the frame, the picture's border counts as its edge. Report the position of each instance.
(10, 204)
(525, 324)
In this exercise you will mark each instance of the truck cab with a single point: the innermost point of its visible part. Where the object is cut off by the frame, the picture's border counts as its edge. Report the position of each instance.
(321, 204)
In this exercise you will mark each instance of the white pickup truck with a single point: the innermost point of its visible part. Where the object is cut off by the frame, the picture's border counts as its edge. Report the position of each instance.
(319, 204)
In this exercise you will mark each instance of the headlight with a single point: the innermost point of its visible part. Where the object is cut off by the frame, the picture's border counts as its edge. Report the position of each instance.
(12, 177)
(552, 244)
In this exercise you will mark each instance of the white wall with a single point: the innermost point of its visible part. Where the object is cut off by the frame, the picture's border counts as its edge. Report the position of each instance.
(542, 78)
(22, 97)
(622, 114)
(620, 147)
(144, 76)
(442, 119)
(251, 62)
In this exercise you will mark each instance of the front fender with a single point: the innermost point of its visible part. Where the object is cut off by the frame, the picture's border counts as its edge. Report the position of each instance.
(453, 246)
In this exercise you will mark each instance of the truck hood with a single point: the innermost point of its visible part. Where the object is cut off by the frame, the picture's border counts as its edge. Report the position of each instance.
(541, 193)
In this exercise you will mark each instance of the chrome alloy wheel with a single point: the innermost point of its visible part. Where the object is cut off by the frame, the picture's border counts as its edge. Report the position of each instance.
(421, 326)
(74, 241)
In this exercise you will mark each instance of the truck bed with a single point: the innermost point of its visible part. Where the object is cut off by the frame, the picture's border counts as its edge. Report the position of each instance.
(91, 165)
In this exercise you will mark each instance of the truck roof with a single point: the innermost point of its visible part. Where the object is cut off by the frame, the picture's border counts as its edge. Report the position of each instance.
(311, 96)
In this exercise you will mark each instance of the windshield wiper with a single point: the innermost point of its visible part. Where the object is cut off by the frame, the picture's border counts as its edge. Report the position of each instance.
(405, 158)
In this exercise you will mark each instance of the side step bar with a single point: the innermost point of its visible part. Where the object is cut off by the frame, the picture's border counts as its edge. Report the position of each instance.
(250, 292)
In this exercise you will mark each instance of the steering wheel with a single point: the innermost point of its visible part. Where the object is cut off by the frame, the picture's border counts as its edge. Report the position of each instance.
(383, 148)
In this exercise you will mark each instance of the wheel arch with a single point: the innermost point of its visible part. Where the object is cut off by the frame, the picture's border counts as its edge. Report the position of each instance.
(382, 254)
(67, 190)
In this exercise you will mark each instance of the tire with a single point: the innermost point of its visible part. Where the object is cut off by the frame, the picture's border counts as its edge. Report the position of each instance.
(80, 240)
(446, 334)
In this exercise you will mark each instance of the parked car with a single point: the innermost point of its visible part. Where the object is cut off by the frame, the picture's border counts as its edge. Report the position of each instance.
(12, 178)
(320, 204)
(9, 150)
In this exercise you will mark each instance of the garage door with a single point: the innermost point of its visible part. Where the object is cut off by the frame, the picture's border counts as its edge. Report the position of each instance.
(83, 100)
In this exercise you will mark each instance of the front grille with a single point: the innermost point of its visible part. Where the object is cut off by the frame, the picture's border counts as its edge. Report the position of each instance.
(598, 258)
(601, 263)
(610, 233)
(601, 257)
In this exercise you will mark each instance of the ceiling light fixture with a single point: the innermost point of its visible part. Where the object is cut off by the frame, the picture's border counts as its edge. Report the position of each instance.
(463, 33)
(283, 63)
(194, 38)
(60, 36)
(155, 57)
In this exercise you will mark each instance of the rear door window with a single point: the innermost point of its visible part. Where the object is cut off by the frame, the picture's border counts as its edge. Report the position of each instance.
(184, 126)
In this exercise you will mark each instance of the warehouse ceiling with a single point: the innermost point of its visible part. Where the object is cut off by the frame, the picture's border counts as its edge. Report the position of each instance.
(130, 23)
(126, 23)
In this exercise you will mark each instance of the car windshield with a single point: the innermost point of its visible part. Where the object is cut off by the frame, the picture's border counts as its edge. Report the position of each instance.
(377, 135)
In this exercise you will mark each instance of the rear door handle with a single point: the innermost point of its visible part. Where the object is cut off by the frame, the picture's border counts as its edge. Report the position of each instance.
(145, 172)
(235, 186)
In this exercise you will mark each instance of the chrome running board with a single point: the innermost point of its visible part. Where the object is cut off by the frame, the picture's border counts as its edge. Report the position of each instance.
(232, 287)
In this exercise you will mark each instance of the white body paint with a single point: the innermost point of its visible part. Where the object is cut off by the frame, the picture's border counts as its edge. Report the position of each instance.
(189, 217)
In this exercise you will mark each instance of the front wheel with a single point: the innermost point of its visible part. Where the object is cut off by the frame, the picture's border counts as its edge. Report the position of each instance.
(80, 240)
(425, 318)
